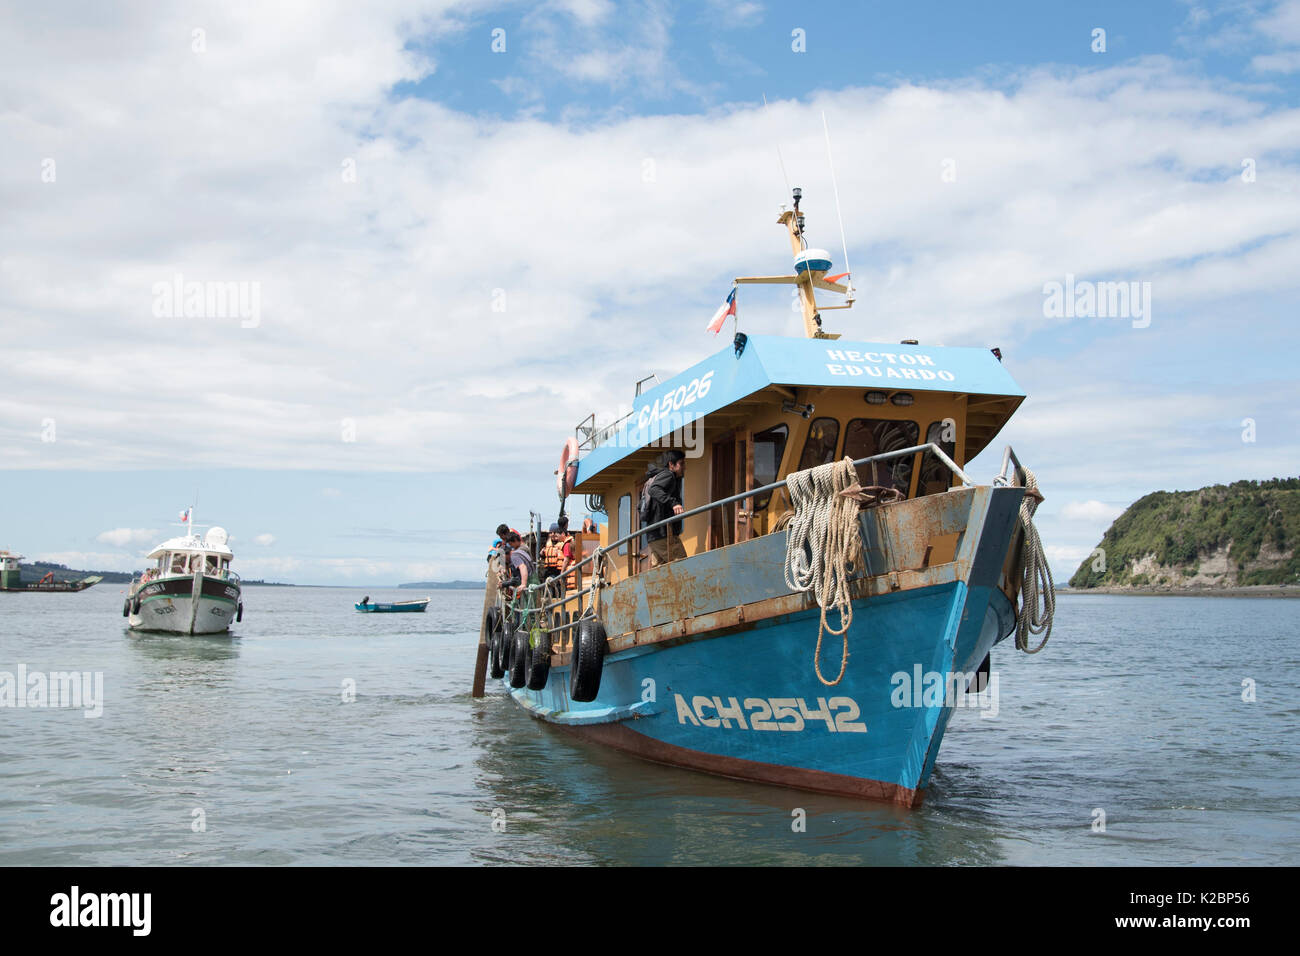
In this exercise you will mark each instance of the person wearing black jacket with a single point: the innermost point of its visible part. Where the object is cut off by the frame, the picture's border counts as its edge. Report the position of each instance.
(666, 500)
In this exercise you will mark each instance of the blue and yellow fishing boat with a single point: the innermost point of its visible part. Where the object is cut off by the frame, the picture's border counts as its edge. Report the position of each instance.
(844, 580)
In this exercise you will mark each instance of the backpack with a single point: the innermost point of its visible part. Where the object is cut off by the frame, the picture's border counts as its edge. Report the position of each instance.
(644, 512)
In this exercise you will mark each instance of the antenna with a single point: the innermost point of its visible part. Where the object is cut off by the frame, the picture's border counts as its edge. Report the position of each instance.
(778, 151)
(835, 185)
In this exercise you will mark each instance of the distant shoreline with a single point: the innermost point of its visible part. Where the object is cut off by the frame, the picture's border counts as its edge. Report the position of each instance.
(1252, 591)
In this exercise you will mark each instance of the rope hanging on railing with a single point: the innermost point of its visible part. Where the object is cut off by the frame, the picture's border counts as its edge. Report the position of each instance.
(1037, 590)
(823, 545)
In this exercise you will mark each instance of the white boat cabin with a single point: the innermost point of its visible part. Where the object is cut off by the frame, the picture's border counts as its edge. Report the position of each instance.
(191, 554)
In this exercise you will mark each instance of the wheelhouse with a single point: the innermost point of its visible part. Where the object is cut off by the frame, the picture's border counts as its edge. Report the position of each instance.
(188, 556)
(751, 414)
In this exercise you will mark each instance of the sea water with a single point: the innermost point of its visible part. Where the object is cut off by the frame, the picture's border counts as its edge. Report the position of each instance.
(1151, 730)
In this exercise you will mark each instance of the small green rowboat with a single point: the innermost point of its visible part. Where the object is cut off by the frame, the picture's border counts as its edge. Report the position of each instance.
(379, 608)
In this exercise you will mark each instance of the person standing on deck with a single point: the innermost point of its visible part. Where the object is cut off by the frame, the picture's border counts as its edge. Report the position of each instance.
(553, 554)
(521, 562)
(665, 493)
(567, 554)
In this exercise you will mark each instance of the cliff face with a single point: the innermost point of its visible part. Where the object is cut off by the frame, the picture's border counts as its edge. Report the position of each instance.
(1223, 536)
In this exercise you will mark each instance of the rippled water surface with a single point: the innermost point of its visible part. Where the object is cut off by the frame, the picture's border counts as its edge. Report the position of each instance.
(242, 750)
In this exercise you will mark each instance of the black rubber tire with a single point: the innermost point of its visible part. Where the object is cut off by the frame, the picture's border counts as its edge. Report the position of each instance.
(135, 606)
(539, 662)
(507, 643)
(126, 608)
(239, 612)
(588, 661)
(494, 635)
(519, 658)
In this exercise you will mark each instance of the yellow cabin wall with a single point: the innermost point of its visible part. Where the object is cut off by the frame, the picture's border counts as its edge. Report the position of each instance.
(758, 414)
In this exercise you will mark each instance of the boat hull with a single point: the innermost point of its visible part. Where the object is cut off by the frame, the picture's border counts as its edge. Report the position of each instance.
(710, 664)
(55, 587)
(198, 604)
(397, 608)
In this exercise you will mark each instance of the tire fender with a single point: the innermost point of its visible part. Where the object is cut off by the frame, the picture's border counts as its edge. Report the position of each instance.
(518, 657)
(588, 660)
(539, 659)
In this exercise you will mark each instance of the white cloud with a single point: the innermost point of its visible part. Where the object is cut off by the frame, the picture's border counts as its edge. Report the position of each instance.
(266, 540)
(378, 294)
(1091, 511)
(129, 537)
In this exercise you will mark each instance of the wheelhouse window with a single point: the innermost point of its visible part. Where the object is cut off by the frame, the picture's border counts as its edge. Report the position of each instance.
(819, 449)
(769, 448)
(865, 437)
(178, 564)
(935, 475)
(624, 520)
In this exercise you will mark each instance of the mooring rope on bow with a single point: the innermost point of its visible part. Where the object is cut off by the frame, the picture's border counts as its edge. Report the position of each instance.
(823, 545)
(1037, 590)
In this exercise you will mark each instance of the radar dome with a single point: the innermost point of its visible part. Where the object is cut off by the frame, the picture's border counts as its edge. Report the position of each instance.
(216, 536)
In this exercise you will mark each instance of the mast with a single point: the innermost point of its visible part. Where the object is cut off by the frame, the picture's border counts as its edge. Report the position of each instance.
(807, 280)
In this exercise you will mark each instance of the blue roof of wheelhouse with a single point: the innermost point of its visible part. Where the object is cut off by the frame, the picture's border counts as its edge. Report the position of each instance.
(724, 378)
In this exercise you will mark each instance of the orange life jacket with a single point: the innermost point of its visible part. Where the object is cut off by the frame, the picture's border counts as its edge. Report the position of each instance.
(553, 553)
(553, 557)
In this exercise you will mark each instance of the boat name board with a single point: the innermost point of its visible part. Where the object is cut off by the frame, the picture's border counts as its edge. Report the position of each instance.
(882, 365)
(772, 713)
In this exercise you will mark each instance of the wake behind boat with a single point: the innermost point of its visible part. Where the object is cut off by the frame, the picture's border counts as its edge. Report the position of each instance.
(191, 590)
(390, 607)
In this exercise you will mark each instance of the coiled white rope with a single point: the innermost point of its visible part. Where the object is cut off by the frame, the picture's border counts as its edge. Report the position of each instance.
(1037, 590)
(823, 545)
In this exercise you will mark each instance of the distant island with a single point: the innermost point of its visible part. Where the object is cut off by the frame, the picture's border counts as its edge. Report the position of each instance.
(446, 585)
(38, 569)
(1216, 539)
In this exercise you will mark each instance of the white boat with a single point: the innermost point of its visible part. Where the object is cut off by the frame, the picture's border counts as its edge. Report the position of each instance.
(191, 590)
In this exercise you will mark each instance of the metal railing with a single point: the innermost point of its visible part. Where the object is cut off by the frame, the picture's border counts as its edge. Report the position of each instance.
(590, 437)
(1004, 476)
(601, 552)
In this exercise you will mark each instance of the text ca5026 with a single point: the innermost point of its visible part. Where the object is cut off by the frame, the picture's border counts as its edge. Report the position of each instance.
(675, 400)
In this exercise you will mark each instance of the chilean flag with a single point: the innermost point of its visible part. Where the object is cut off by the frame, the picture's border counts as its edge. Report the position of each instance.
(185, 515)
(727, 308)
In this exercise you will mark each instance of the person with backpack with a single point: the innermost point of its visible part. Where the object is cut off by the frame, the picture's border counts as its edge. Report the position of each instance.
(661, 497)
(520, 567)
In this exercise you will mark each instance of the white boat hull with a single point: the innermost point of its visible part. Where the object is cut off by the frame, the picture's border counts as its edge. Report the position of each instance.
(181, 604)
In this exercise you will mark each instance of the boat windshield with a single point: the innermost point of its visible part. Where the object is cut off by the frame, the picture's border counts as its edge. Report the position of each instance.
(865, 437)
(819, 449)
(769, 447)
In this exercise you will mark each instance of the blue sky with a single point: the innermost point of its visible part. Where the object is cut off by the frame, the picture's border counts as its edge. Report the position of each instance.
(429, 231)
